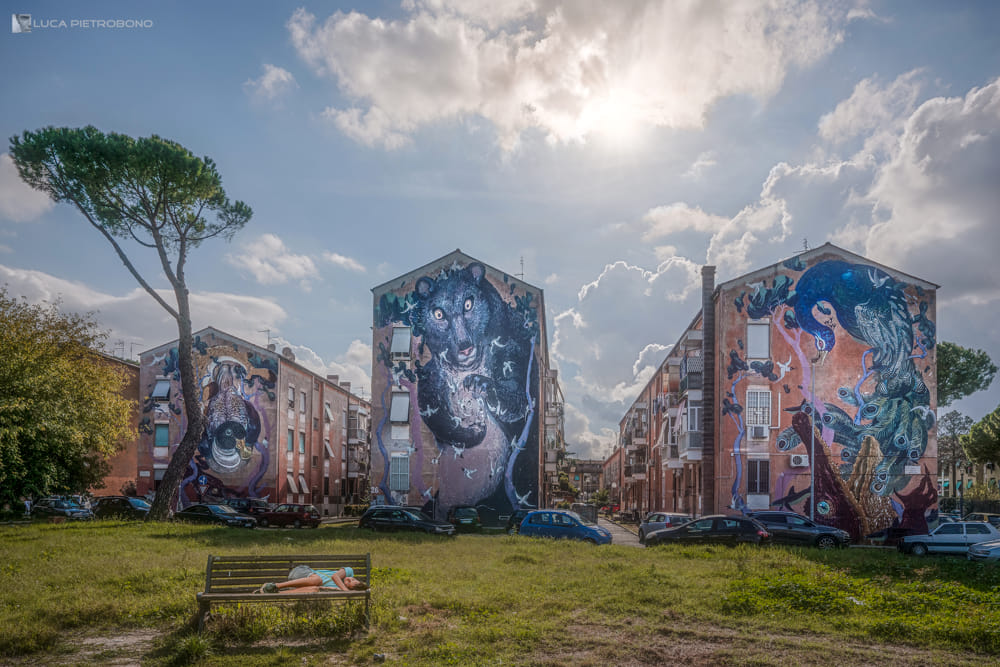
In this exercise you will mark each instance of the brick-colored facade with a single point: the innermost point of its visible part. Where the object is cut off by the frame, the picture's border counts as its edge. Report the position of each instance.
(275, 430)
(464, 402)
(812, 387)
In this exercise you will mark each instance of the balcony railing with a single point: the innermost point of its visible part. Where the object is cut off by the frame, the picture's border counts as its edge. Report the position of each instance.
(357, 435)
(689, 441)
(691, 381)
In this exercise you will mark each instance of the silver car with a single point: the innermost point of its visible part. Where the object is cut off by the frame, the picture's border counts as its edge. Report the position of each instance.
(658, 521)
(984, 551)
(950, 538)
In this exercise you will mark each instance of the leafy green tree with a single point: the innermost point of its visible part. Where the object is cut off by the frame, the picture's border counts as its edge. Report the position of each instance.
(62, 407)
(601, 497)
(961, 372)
(156, 194)
(951, 427)
(982, 442)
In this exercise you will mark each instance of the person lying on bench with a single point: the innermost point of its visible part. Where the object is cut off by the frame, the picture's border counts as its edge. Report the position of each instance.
(304, 579)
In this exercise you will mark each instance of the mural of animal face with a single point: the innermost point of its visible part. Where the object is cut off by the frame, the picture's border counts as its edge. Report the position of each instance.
(455, 312)
(472, 381)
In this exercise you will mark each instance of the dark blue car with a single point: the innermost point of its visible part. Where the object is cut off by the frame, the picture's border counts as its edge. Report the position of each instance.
(563, 524)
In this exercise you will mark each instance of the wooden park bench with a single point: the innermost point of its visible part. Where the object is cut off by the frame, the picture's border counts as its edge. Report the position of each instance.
(236, 579)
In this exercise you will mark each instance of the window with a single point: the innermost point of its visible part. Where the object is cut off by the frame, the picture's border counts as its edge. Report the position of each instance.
(302, 402)
(161, 391)
(302, 445)
(758, 476)
(758, 407)
(291, 397)
(399, 473)
(291, 440)
(327, 413)
(400, 346)
(950, 529)
(162, 436)
(315, 462)
(400, 407)
(973, 529)
(694, 418)
(758, 339)
(315, 423)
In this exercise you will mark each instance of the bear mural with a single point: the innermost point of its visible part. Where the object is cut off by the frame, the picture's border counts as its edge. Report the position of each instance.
(473, 438)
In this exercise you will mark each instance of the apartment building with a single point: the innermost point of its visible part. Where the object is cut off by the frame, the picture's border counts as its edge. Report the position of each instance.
(808, 385)
(275, 430)
(464, 401)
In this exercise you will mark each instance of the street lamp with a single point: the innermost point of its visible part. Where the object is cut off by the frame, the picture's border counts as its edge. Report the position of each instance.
(812, 441)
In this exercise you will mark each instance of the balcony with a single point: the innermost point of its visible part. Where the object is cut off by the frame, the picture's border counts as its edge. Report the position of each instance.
(357, 436)
(689, 446)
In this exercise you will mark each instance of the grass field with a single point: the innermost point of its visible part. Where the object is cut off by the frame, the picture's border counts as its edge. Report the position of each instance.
(118, 593)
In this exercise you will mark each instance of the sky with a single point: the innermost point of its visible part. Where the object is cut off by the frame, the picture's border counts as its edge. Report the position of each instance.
(612, 147)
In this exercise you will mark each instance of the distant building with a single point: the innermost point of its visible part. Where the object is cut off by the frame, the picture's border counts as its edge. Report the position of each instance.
(274, 429)
(808, 385)
(460, 385)
(124, 464)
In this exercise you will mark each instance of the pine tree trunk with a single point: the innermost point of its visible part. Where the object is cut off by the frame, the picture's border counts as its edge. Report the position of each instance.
(165, 499)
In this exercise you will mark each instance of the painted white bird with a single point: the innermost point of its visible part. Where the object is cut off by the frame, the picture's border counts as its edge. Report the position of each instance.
(428, 411)
(469, 473)
(496, 343)
(785, 367)
(457, 450)
(508, 368)
(522, 500)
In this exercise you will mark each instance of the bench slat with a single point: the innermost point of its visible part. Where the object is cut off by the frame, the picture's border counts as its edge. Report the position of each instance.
(236, 578)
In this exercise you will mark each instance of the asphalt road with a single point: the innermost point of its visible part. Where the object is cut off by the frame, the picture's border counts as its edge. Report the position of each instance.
(619, 535)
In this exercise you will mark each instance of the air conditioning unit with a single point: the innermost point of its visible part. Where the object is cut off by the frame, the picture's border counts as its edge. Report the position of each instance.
(800, 460)
(758, 433)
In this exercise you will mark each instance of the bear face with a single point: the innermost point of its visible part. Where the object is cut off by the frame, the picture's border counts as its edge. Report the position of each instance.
(456, 314)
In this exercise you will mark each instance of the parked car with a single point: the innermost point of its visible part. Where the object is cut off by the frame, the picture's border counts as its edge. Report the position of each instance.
(984, 551)
(660, 520)
(465, 518)
(983, 516)
(563, 524)
(715, 529)
(390, 517)
(61, 507)
(795, 529)
(950, 538)
(248, 505)
(223, 515)
(120, 507)
(514, 521)
(289, 514)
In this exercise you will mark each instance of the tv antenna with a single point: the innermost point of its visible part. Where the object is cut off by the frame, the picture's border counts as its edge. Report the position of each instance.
(521, 274)
(268, 332)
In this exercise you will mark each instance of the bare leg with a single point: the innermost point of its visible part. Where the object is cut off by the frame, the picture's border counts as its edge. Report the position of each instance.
(313, 580)
(302, 589)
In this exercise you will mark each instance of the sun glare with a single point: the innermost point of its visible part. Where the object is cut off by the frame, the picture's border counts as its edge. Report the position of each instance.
(613, 122)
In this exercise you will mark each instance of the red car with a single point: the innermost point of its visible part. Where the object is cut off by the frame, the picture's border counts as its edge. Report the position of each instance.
(290, 514)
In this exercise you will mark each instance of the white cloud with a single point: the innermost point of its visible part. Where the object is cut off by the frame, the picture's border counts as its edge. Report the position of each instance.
(274, 83)
(702, 163)
(937, 199)
(677, 217)
(268, 261)
(19, 202)
(871, 107)
(551, 279)
(567, 69)
(344, 262)
(134, 317)
(351, 366)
